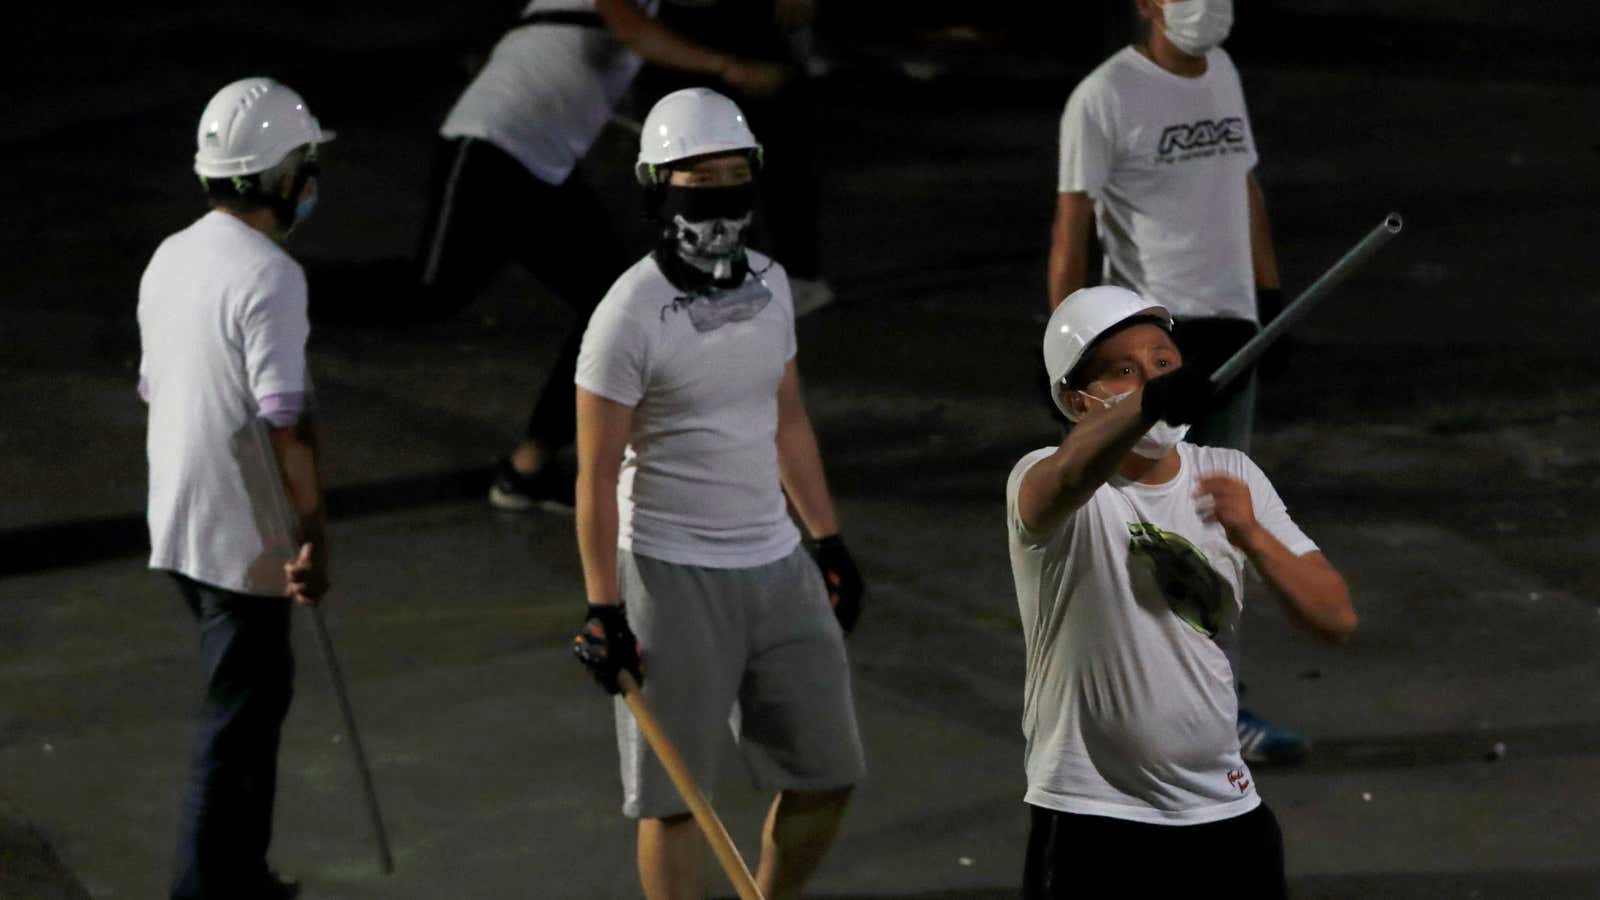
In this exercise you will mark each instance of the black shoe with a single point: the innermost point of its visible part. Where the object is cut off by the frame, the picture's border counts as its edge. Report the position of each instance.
(549, 489)
(275, 888)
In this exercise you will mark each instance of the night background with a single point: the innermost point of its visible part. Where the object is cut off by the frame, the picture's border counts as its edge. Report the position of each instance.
(1437, 433)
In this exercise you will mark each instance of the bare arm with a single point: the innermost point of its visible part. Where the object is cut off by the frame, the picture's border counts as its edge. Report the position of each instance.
(1310, 589)
(603, 430)
(800, 461)
(1069, 245)
(1090, 454)
(659, 45)
(1263, 258)
(298, 449)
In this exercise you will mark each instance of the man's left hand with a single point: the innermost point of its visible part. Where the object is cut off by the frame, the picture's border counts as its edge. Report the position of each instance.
(1226, 501)
(307, 575)
(847, 593)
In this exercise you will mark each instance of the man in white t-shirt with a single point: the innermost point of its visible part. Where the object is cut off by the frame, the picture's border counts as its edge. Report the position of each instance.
(235, 507)
(503, 188)
(1157, 158)
(691, 429)
(1129, 549)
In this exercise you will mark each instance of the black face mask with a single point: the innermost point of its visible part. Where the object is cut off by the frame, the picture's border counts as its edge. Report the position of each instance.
(703, 233)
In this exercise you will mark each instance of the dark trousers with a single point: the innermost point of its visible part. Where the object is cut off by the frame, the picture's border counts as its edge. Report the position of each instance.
(485, 210)
(1080, 856)
(225, 824)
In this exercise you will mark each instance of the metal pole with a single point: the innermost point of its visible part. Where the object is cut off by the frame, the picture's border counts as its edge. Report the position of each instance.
(1294, 312)
(374, 816)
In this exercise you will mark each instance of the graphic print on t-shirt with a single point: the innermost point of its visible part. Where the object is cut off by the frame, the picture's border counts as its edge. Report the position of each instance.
(1194, 591)
(708, 312)
(1201, 140)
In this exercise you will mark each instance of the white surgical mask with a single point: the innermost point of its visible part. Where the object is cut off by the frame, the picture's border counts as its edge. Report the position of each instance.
(1195, 26)
(1158, 440)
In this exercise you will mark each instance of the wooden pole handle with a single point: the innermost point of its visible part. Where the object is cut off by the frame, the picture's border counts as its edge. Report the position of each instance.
(716, 834)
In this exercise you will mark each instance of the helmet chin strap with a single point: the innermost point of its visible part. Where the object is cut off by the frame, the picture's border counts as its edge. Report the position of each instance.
(283, 206)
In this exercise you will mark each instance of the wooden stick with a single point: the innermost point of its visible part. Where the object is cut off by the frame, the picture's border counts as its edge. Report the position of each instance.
(678, 770)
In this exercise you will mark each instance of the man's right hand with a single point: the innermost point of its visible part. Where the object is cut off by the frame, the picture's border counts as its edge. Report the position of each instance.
(606, 645)
(1180, 397)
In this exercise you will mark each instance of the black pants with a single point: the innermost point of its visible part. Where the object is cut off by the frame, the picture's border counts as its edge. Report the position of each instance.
(485, 210)
(1079, 856)
(225, 823)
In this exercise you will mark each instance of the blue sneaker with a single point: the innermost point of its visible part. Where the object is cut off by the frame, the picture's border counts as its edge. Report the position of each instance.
(1262, 743)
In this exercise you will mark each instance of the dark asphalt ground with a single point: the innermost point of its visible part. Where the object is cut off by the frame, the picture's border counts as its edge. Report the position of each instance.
(1436, 434)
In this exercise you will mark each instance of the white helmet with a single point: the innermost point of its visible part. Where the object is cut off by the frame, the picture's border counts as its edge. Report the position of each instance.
(687, 123)
(1085, 315)
(250, 126)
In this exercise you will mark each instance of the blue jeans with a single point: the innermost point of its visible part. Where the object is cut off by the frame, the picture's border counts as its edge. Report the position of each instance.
(225, 823)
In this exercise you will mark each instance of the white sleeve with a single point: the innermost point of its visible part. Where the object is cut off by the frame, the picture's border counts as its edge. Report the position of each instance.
(791, 346)
(1271, 512)
(274, 329)
(614, 359)
(1087, 148)
(1022, 533)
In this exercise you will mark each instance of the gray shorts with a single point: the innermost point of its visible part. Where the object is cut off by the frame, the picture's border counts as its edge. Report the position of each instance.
(752, 653)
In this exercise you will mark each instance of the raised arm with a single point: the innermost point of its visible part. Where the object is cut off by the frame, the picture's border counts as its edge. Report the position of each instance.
(1088, 456)
(659, 45)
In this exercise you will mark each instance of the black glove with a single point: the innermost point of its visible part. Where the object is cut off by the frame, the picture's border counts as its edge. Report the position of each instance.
(607, 646)
(1182, 397)
(847, 593)
(1275, 362)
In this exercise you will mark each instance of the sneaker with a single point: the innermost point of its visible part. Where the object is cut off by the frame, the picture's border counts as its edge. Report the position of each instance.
(810, 295)
(1262, 743)
(549, 489)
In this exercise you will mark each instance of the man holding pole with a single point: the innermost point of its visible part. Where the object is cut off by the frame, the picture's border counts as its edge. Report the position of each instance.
(691, 429)
(235, 508)
(1157, 158)
(1129, 548)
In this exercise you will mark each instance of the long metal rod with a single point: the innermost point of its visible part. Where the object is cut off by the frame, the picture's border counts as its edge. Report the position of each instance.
(335, 675)
(716, 833)
(1294, 312)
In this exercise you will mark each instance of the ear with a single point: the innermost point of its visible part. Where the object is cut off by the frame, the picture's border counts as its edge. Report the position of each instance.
(1150, 10)
(1077, 406)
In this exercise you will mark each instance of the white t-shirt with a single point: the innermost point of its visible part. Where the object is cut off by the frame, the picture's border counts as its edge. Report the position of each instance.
(1165, 159)
(1129, 708)
(699, 483)
(222, 324)
(547, 90)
